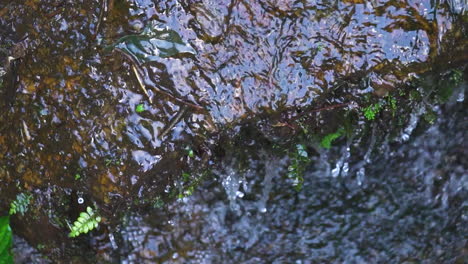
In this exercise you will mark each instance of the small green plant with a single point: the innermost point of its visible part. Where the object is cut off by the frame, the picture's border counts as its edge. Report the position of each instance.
(77, 176)
(187, 192)
(299, 160)
(157, 202)
(372, 110)
(392, 102)
(6, 238)
(456, 77)
(86, 222)
(430, 117)
(113, 161)
(328, 139)
(447, 85)
(190, 152)
(320, 46)
(140, 108)
(40, 246)
(20, 204)
(188, 189)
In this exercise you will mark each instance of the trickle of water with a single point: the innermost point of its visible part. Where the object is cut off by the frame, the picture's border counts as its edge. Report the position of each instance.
(461, 96)
(360, 175)
(273, 168)
(414, 119)
(336, 171)
(458, 6)
(231, 183)
(342, 166)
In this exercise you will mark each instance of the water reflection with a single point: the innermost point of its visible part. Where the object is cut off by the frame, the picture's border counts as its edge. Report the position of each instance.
(407, 208)
(72, 110)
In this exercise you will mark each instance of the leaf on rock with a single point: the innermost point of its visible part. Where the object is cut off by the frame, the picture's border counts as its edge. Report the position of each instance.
(6, 238)
(156, 41)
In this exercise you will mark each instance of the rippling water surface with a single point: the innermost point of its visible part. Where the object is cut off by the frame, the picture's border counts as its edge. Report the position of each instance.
(180, 117)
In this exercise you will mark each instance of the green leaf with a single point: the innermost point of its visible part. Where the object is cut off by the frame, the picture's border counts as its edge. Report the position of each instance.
(140, 108)
(84, 215)
(156, 41)
(86, 222)
(328, 139)
(6, 238)
(301, 151)
(372, 110)
(20, 204)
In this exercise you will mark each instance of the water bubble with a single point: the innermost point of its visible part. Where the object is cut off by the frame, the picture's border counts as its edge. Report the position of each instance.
(405, 137)
(461, 96)
(240, 194)
(345, 168)
(80, 200)
(336, 171)
(360, 176)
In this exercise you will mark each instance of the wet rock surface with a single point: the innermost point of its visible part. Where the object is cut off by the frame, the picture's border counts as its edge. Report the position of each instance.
(179, 120)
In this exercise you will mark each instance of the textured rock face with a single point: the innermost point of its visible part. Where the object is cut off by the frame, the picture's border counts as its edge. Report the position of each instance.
(271, 65)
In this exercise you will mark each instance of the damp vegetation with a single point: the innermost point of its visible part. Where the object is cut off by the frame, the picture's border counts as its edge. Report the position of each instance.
(328, 139)
(6, 240)
(372, 110)
(299, 160)
(86, 222)
(20, 204)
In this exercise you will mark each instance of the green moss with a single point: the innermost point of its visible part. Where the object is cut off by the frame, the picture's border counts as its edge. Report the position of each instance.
(372, 110)
(456, 77)
(299, 160)
(140, 108)
(447, 85)
(430, 117)
(415, 95)
(328, 139)
(392, 102)
(157, 202)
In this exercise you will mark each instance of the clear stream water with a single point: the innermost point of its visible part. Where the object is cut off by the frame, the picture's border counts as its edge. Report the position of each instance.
(406, 204)
(238, 84)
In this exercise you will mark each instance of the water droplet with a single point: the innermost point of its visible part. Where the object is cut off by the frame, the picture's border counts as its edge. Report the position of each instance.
(360, 176)
(336, 171)
(461, 96)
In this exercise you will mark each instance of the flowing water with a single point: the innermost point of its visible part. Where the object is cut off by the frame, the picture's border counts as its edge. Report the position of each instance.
(196, 129)
(409, 206)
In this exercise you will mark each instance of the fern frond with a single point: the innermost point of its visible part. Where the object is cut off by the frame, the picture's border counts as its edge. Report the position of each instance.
(20, 204)
(86, 222)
